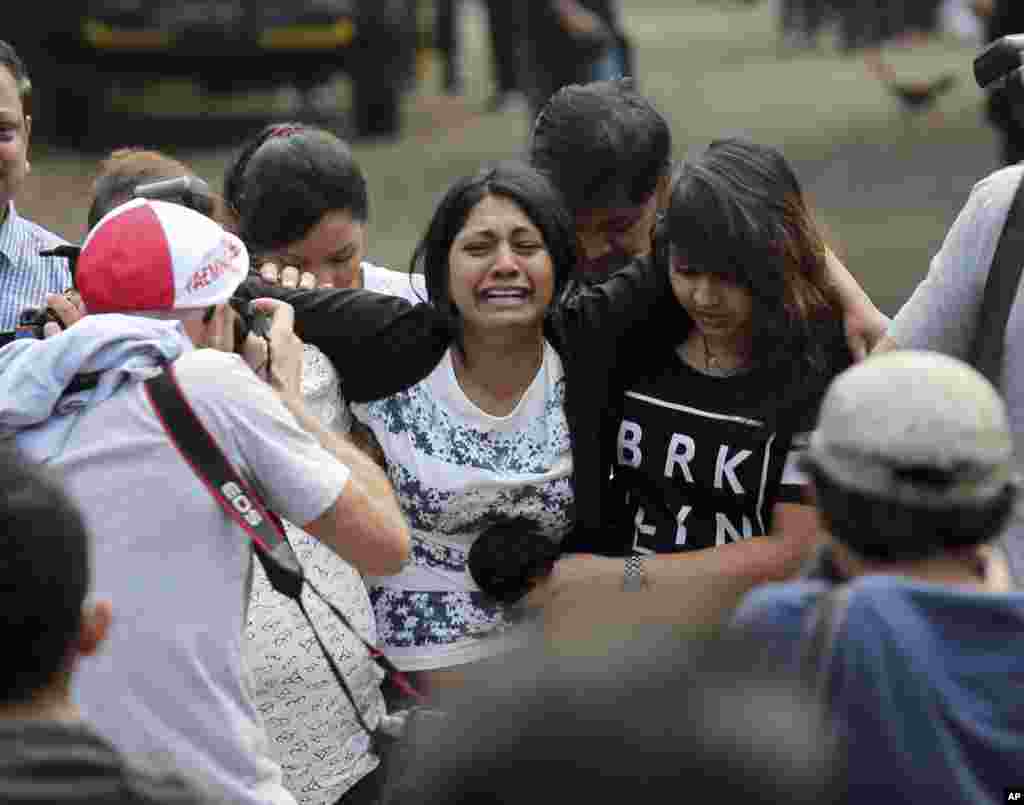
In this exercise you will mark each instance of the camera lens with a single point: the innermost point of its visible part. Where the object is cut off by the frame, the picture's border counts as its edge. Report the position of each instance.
(32, 316)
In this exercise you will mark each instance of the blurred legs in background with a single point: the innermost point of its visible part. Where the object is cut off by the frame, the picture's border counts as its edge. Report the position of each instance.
(504, 23)
(447, 40)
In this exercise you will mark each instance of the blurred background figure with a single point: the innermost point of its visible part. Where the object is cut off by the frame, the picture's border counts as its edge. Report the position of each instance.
(505, 27)
(571, 42)
(447, 40)
(617, 60)
(646, 716)
(866, 28)
(801, 21)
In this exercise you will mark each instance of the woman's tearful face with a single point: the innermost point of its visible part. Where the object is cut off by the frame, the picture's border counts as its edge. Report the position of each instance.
(331, 251)
(500, 271)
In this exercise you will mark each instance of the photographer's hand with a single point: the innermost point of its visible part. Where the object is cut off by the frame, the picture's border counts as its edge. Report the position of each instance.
(67, 306)
(285, 358)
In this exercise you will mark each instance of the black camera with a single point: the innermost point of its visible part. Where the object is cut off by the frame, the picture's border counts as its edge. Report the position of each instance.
(188, 191)
(999, 69)
(32, 319)
(999, 64)
(31, 322)
(248, 320)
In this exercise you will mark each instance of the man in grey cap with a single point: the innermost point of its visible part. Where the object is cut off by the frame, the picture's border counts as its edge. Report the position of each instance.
(922, 650)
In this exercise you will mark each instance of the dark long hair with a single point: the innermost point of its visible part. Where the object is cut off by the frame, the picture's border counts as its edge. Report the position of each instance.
(530, 190)
(738, 210)
(285, 178)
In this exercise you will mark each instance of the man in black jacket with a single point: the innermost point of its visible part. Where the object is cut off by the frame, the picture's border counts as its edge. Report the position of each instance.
(47, 755)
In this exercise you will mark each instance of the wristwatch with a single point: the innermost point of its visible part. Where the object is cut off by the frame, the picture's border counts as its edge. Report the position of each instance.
(633, 577)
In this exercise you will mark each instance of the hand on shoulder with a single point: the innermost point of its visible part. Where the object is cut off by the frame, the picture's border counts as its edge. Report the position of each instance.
(290, 277)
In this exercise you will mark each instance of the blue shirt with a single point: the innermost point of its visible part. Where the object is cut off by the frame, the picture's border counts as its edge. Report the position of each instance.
(25, 277)
(926, 680)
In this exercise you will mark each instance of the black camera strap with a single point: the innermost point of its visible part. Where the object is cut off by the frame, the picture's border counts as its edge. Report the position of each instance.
(244, 505)
(821, 626)
(1000, 292)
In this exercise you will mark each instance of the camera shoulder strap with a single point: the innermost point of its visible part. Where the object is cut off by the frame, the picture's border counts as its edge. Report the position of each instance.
(244, 505)
(821, 627)
(1000, 292)
(239, 501)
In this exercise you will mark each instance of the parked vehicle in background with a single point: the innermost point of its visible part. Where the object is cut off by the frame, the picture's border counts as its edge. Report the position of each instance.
(77, 52)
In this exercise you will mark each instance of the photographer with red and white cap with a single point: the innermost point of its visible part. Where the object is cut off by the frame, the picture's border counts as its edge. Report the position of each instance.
(158, 281)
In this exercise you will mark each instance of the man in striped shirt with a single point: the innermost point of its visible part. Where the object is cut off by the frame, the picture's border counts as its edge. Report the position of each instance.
(25, 276)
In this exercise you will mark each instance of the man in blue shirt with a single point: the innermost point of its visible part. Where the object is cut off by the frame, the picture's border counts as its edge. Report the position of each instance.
(922, 655)
(25, 275)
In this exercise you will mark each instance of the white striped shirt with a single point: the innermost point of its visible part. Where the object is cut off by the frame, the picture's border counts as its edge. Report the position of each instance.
(25, 277)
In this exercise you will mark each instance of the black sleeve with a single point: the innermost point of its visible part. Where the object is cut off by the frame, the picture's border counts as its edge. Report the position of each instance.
(636, 301)
(801, 396)
(379, 344)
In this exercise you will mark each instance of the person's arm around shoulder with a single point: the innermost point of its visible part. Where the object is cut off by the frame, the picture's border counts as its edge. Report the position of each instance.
(639, 294)
(378, 343)
(702, 586)
(865, 324)
(698, 588)
(365, 524)
(942, 312)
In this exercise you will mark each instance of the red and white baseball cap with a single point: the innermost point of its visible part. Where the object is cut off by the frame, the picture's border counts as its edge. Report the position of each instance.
(159, 258)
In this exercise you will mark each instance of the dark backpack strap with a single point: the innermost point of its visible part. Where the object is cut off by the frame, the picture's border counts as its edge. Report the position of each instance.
(823, 625)
(1000, 291)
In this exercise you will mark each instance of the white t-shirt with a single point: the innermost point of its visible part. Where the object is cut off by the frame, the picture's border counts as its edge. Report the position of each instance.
(170, 685)
(411, 287)
(454, 469)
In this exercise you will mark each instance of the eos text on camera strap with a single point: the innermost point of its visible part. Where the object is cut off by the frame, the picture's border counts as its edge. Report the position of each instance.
(244, 505)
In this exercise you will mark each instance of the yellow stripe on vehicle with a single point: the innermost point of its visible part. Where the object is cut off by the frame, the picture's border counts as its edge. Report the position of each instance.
(309, 37)
(105, 37)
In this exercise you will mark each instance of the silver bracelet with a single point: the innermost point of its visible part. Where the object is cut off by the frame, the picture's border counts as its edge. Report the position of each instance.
(634, 578)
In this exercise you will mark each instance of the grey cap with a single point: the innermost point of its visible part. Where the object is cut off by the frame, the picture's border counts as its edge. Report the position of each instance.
(914, 427)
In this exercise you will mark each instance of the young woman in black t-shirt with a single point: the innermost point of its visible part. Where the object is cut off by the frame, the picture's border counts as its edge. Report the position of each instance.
(712, 422)
(710, 499)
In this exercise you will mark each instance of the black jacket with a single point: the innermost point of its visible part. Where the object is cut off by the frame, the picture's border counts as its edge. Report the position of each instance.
(382, 344)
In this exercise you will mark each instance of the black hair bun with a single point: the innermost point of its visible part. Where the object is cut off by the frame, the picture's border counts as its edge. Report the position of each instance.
(509, 557)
